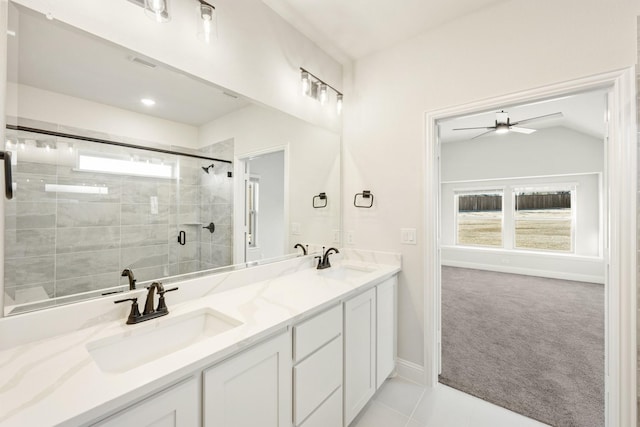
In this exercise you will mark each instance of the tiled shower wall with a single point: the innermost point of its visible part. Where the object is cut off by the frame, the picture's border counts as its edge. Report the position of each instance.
(60, 244)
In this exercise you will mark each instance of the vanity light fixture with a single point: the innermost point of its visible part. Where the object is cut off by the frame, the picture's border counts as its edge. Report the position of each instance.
(305, 82)
(207, 22)
(315, 88)
(158, 10)
(323, 95)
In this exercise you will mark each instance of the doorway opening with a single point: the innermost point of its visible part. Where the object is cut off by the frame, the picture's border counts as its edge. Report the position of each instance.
(263, 233)
(537, 220)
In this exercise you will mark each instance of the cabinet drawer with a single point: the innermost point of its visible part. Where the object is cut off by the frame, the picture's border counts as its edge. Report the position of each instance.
(329, 414)
(313, 333)
(316, 378)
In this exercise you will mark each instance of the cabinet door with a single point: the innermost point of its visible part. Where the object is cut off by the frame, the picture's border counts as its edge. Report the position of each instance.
(251, 389)
(175, 407)
(386, 329)
(360, 353)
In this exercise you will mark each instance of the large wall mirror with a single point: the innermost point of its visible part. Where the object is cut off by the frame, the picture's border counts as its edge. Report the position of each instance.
(123, 162)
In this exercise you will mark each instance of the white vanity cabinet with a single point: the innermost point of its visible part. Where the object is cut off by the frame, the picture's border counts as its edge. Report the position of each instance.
(317, 371)
(252, 388)
(178, 406)
(369, 344)
(359, 353)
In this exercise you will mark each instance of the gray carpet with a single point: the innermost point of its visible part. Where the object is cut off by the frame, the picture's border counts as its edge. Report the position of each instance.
(529, 344)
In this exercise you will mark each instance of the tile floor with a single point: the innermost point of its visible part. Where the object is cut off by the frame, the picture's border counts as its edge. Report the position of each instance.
(401, 403)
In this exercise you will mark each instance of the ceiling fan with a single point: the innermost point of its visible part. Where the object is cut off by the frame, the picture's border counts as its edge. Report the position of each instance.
(504, 125)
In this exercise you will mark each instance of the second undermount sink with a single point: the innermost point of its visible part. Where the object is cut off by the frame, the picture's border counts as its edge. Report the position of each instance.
(151, 340)
(346, 272)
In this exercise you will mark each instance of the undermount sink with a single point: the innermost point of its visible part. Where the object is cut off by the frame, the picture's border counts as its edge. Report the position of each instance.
(346, 272)
(151, 340)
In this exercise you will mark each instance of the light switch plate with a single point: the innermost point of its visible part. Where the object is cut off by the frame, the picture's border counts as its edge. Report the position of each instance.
(295, 228)
(408, 236)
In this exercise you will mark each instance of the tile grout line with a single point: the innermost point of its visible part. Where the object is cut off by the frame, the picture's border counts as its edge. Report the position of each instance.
(415, 408)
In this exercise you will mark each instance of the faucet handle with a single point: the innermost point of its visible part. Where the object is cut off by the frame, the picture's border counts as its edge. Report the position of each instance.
(163, 291)
(134, 314)
(162, 306)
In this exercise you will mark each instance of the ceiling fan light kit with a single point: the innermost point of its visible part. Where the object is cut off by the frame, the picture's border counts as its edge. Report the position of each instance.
(503, 124)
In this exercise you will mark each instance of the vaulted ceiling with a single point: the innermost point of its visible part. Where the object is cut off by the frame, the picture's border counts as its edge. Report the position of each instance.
(352, 29)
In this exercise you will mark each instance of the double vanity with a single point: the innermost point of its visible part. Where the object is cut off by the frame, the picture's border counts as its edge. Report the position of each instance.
(284, 344)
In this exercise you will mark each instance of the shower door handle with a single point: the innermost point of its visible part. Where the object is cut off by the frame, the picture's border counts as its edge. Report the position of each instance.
(8, 180)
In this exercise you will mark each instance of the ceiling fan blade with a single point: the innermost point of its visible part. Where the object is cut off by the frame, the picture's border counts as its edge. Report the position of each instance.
(526, 131)
(545, 117)
(484, 133)
(483, 127)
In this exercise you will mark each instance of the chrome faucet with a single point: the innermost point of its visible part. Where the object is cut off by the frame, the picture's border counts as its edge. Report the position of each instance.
(129, 274)
(149, 312)
(323, 261)
(304, 250)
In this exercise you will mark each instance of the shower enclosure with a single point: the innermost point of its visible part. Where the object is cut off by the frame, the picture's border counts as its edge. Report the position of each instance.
(84, 209)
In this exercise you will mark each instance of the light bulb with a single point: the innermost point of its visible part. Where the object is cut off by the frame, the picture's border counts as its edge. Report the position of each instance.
(158, 10)
(323, 94)
(207, 27)
(339, 103)
(306, 84)
(502, 128)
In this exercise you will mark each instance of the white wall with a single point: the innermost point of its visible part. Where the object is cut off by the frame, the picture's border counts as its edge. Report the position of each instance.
(313, 166)
(257, 53)
(549, 151)
(513, 46)
(551, 156)
(28, 102)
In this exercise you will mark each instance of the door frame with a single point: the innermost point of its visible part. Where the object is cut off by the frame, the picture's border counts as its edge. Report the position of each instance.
(239, 227)
(620, 232)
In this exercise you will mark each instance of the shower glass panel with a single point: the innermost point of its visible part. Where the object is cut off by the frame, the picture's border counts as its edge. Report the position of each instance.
(83, 211)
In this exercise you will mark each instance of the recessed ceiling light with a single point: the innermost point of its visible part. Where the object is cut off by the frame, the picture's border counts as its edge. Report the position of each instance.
(148, 102)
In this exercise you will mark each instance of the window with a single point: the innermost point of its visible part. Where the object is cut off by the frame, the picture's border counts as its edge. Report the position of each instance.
(253, 201)
(479, 218)
(543, 219)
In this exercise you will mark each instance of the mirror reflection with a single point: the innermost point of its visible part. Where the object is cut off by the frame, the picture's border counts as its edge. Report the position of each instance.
(121, 162)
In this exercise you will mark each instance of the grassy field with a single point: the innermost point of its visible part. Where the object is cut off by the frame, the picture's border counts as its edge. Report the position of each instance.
(540, 229)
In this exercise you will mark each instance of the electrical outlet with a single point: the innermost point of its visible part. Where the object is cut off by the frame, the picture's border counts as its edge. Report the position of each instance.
(350, 239)
(408, 236)
(336, 236)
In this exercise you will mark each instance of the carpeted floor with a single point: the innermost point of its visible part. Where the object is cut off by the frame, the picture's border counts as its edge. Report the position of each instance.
(529, 344)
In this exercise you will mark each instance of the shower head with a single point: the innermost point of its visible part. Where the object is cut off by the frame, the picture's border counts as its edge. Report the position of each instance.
(206, 168)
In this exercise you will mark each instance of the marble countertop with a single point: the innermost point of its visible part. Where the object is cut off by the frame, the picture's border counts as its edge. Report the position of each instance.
(56, 382)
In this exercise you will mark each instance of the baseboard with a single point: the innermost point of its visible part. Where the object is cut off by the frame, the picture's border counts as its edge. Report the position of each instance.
(410, 371)
(527, 271)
